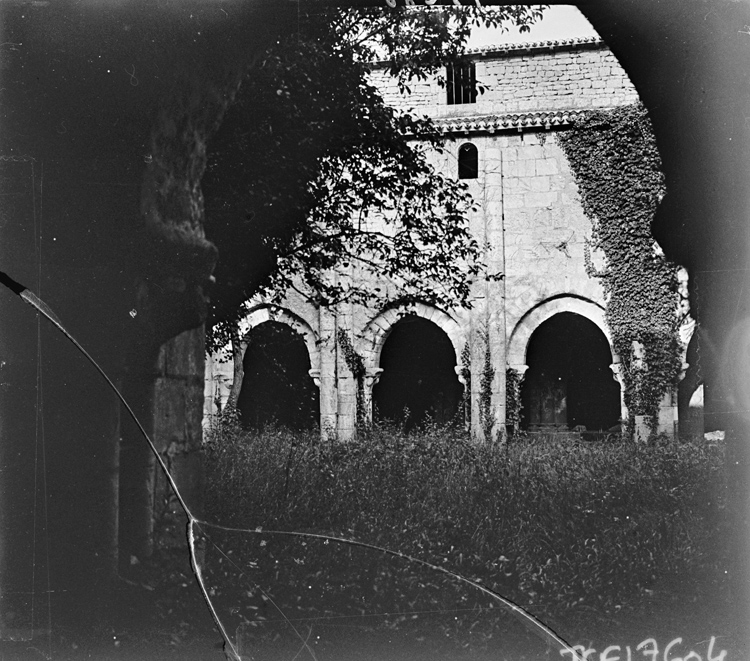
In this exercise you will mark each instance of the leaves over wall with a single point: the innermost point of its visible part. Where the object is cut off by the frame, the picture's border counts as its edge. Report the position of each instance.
(617, 167)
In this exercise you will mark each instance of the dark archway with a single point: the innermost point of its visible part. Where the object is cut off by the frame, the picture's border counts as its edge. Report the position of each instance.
(418, 363)
(569, 382)
(277, 387)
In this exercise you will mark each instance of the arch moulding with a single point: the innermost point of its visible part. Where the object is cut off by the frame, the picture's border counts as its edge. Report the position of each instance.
(219, 373)
(519, 339)
(376, 332)
(263, 313)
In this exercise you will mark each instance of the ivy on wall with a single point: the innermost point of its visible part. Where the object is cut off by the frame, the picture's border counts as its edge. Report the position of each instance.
(617, 167)
(513, 405)
(466, 376)
(356, 366)
(486, 412)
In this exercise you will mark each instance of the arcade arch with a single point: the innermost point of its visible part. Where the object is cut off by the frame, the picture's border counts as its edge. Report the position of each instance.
(263, 313)
(568, 384)
(521, 336)
(419, 380)
(427, 321)
(378, 329)
(277, 387)
(220, 375)
(529, 322)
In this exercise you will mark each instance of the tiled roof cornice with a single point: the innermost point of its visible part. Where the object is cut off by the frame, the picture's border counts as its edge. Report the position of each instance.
(536, 47)
(509, 122)
(531, 47)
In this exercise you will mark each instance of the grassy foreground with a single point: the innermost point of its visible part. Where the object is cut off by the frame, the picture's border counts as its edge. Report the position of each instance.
(572, 531)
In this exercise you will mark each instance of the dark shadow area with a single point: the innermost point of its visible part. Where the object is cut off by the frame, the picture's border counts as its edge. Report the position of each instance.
(277, 388)
(569, 382)
(418, 363)
(468, 161)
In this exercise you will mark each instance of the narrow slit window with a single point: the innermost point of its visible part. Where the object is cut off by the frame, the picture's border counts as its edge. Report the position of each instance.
(461, 84)
(468, 161)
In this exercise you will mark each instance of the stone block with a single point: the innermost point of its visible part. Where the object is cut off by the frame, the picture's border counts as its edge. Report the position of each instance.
(523, 168)
(539, 184)
(514, 201)
(546, 166)
(516, 184)
(532, 151)
(540, 199)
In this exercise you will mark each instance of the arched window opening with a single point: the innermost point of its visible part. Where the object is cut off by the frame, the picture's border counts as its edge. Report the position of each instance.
(419, 381)
(468, 161)
(569, 383)
(277, 387)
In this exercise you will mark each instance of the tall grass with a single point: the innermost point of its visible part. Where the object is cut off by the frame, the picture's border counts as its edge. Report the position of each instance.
(552, 524)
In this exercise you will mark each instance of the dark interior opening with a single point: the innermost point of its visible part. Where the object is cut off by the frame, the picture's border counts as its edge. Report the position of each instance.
(468, 161)
(419, 380)
(277, 388)
(569, 382)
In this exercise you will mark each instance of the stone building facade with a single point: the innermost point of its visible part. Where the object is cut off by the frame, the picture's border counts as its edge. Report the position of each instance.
(544, 321)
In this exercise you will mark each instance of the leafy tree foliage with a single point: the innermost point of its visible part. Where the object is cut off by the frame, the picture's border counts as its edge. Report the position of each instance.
(311, 173)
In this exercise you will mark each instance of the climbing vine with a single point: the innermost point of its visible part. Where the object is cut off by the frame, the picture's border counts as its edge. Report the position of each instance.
(357, 367)
(513, 406)
(466, 376)
(617, 167)
(486, 416)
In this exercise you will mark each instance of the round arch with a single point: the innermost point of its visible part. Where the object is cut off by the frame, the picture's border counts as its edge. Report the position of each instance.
(219, 372)
(529, 322)
(263, 313)
(377, 330)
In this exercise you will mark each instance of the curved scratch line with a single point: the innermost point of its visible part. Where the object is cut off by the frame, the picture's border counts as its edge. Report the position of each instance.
(38, 304)
(265, 594)
(526, 618)
(531, 623)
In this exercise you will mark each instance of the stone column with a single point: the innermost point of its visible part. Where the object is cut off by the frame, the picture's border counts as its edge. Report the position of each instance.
(346, 426)
(327, 376)
(478, 321)
(178, 396)
(492, 170)
(218, 384)
(616, 368)
(372, 376)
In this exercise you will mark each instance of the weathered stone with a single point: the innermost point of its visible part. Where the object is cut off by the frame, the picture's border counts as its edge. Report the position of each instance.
(530, 218)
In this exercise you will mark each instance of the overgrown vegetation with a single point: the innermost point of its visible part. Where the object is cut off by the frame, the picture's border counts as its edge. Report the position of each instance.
(558, 527)
(616, 164)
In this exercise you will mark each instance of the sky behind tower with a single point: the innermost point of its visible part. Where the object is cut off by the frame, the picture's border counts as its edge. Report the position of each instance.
(559, 22)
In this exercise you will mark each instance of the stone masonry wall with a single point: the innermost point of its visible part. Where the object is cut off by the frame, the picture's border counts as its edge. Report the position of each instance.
(529, 217)
(524, 80)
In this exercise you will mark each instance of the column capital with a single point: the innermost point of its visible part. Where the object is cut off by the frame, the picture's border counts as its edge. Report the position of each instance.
(372, 375)
(520, 368)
